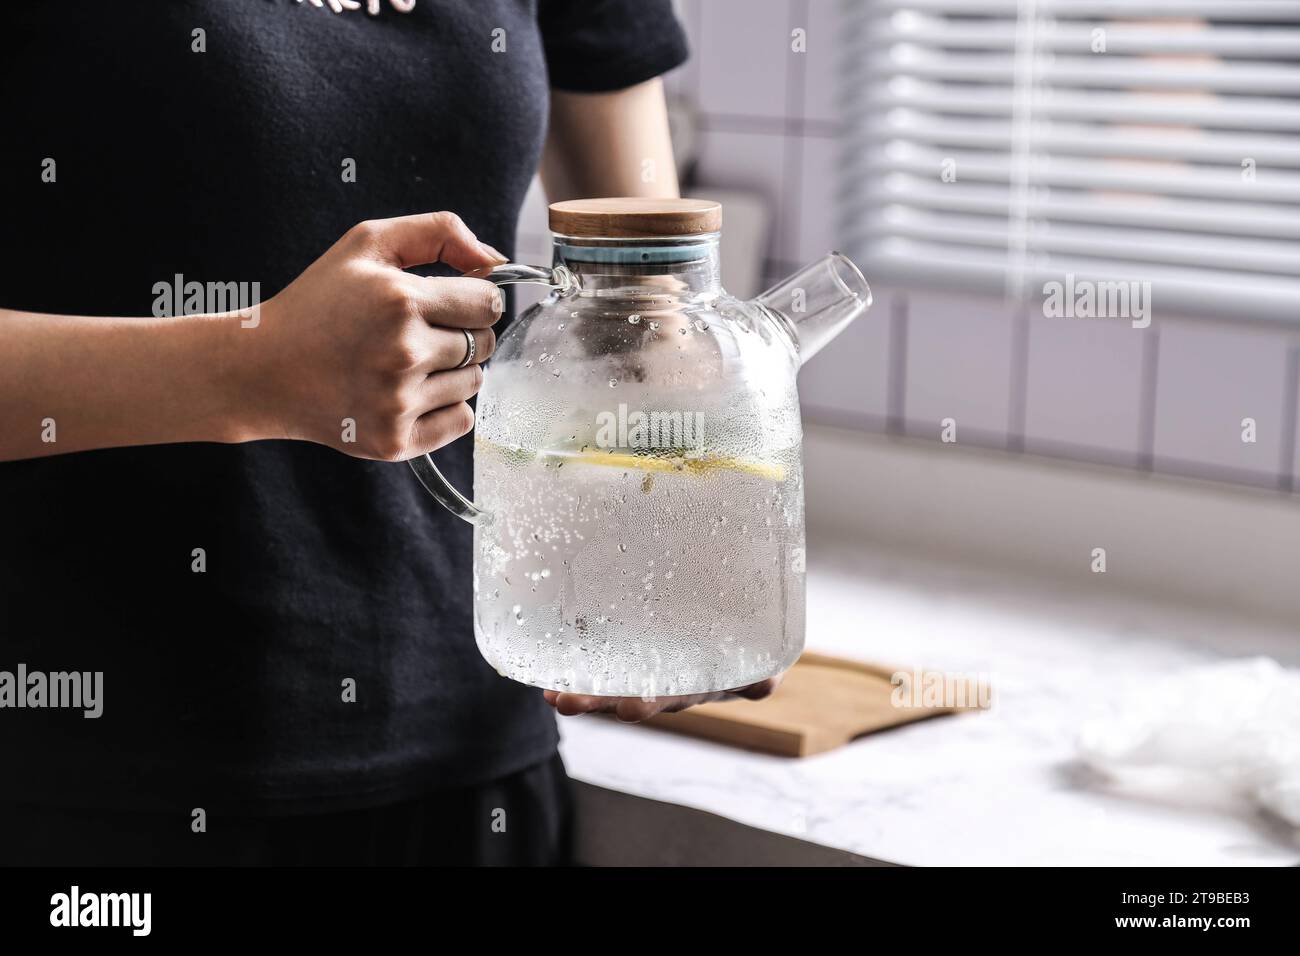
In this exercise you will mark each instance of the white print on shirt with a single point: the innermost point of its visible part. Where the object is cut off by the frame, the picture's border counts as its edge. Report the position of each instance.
(372, 6)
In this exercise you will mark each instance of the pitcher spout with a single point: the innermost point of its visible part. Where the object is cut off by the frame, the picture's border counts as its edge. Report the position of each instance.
(816, 303)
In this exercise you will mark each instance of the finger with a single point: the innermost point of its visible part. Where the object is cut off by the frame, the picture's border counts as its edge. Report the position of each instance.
(632, 710)
(671, 705)
(763, 688)
(434, 429)
(448, 348)
(459, 302)
(563, 703)
(450, 387)
(431, 237)
(635, 709)
(571, 705)
(627, 709)
(483, 272)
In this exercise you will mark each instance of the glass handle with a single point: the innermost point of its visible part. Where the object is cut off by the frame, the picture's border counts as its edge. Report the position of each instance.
(558, 278)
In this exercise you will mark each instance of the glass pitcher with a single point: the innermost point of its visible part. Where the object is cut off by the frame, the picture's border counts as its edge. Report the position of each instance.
(639, 522)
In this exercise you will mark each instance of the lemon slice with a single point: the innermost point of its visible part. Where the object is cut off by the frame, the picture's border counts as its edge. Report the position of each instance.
(659, 463)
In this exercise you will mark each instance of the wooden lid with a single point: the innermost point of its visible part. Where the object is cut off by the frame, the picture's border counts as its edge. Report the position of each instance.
(635, 217)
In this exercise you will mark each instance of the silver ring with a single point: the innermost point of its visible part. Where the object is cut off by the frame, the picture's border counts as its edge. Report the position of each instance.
(470, 349)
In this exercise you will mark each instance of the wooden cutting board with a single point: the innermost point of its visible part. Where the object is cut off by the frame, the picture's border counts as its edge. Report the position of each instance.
(823, 703)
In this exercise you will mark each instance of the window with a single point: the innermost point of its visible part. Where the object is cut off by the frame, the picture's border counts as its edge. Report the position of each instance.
(1004, 144)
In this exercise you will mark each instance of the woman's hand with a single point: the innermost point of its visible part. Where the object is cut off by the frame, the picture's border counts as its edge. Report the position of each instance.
(361, 356)
(355, 354)
(634, 709)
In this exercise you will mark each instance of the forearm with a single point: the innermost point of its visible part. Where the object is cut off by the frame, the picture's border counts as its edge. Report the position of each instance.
(73, 383)
(609, 144)
(356, 354)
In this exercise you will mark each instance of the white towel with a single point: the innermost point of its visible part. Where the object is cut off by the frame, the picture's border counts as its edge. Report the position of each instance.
(1234, 724)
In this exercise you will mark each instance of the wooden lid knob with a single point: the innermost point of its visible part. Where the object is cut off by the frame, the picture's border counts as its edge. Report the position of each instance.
(635, 217)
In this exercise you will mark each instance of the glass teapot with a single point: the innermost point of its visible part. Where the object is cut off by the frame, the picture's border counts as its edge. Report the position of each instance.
(639, 523)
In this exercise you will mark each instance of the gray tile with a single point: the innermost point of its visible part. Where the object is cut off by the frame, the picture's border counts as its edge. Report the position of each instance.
(847, 383)
(810, 221)
(533, 218)
(684, 80)
(958, 357)
(1210, 378)
(821, 62)
(1292, 448)
(1084, 388)
(744, 53)
(750, 161)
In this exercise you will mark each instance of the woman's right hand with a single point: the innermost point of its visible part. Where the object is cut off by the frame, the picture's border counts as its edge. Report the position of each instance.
(361, 356)
(355, 353)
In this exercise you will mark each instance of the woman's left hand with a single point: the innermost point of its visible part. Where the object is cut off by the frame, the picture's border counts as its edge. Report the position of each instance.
(634, 709)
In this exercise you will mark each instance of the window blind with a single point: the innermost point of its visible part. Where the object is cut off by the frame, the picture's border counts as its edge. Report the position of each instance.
(999, 145)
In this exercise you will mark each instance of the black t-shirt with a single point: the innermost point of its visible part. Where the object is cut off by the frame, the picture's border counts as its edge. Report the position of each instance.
(225, 688)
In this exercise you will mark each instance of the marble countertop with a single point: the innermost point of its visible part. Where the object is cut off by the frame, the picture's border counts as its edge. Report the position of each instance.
(999, 787)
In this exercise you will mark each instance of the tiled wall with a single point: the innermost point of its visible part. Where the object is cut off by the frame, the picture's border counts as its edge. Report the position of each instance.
(1170, 398)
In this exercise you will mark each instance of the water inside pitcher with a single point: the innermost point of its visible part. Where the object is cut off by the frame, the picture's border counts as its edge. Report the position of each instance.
(639, 523)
